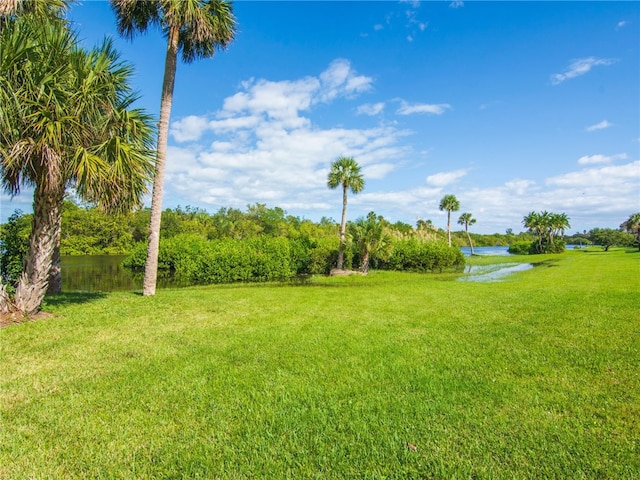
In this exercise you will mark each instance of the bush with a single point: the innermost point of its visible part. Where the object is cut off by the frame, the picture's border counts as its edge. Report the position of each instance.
(522, 248)
(198, 260)
(423, 256)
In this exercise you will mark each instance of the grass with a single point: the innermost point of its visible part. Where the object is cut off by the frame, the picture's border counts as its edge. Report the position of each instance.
(536, 376)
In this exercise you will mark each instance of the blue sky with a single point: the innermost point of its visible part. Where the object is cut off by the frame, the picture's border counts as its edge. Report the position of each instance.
(510, 106)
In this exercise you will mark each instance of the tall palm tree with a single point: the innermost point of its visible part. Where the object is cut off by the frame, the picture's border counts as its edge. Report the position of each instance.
(467, 219)
(371, 238)
(345, 172)
(451, 204)
(65, 121)
(196, 29)
(632, 225)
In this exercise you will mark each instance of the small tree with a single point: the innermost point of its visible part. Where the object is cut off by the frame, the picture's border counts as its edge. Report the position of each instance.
(610, 237)
(371, 239)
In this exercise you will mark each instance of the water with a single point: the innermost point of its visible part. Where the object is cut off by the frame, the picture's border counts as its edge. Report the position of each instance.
(96, 273)
(492, 273)
(104, 273)
(497, 250)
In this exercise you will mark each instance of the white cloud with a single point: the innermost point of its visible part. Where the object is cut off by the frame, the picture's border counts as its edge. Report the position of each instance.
(189, 128)
(609, 177)
(378, 170)
(340, 80)
(591, 159)
(433, 109)
(267, 149)
(580, 67)
(445, 178)
(518, 186)
(599, 126)
(621, 24)
(456, 4)
(370, 109)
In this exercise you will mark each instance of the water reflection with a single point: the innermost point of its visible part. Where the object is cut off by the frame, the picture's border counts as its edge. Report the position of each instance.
(105, 273)
(496, 250)
(493, 272)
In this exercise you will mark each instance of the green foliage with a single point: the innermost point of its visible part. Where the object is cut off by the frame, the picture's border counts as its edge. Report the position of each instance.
(548, 227)
(201, 261)
(609, 237)
(371, 240)
(14, 244)
(88, 231)
(522, 248)
(414, 255)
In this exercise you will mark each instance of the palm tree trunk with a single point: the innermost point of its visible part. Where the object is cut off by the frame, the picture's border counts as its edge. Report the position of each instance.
(343, 228)
(469, 237)
(449, 225)
(151, 265)
(33, 282)
(365, 262)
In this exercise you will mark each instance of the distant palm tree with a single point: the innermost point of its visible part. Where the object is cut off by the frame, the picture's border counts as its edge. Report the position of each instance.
(65, 120)
(451, 204)
(467, 219)
(197, 29)
(345, 172)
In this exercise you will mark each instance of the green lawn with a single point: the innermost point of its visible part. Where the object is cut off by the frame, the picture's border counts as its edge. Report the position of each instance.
(536, 376)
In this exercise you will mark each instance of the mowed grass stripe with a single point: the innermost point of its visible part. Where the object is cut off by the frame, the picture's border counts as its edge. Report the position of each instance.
(534, 376)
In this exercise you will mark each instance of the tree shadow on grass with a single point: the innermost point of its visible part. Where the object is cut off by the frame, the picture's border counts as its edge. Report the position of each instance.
(72, 298)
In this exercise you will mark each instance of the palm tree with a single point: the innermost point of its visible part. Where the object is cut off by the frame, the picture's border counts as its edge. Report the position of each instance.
(345, 172)
(467, 219)
(371, 238)
(534, 223)
(197, 29)
(451, 204)
(632, 225)
(41, 8)
(65, 121)
(559, 222)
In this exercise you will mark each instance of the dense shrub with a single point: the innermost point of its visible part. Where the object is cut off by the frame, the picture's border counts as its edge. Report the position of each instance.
(14, 243)
(522, 248)
(323, 256)
(198, 260)
(420, 256)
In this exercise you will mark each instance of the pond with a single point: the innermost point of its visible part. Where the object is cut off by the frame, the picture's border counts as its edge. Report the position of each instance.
(495, 250)
(104, 273)
(493, 272)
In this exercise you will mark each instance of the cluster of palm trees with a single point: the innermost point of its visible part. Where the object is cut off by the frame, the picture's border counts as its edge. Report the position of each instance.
(632, 225)
(67, 120)
(546, 226)
(370, 234)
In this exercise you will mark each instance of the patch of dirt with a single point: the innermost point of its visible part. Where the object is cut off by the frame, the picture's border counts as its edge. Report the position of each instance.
(8, 319)
(335, 272)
